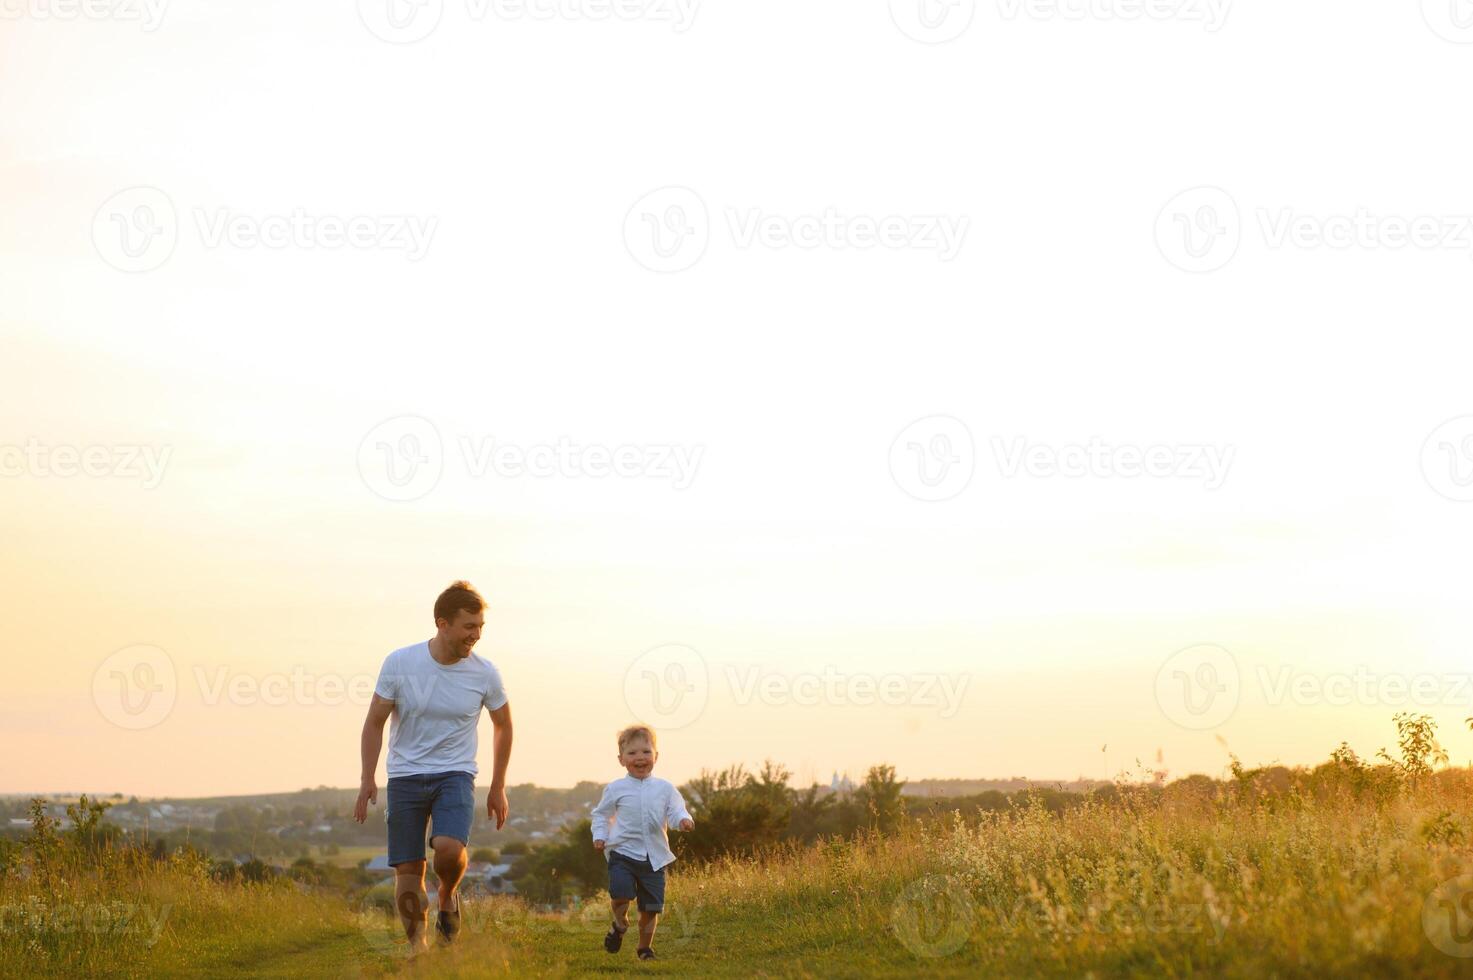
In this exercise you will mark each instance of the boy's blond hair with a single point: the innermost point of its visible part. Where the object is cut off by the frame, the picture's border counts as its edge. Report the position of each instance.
(636, 731)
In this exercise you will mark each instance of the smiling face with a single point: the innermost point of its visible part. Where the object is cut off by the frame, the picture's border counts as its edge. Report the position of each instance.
(638, 757)
(460, 637)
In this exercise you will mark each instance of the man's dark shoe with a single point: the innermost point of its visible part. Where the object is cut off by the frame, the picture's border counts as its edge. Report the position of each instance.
(448, 924)
(645, 953)
(615, 938)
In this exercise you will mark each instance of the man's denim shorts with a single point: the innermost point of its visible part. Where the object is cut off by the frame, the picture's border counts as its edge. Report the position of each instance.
(634, 878)
(446, 801)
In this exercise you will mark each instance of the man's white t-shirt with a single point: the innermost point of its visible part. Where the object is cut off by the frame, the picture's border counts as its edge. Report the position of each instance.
(436, 709)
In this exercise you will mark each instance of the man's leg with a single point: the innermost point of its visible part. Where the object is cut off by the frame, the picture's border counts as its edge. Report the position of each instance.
(452, 810)
(450, 863)
(406, 818)
(412, 902)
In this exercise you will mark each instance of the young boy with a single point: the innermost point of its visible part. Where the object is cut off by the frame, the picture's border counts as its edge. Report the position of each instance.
(629, 827)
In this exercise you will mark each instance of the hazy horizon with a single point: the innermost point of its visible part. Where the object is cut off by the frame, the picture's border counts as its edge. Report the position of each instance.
(106, 795)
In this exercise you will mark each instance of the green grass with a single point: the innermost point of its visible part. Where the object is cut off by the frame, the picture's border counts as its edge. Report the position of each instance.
(1190, 882)
(349, 856)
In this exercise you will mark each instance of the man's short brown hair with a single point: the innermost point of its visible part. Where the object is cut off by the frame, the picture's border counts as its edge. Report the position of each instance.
(636, 731)
(459, 596)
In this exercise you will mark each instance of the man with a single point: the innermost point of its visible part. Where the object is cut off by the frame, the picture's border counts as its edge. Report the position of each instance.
(435, 691)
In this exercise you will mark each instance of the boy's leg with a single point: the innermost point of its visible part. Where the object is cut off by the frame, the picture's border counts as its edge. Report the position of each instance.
(647, 923)
(615, 938)
(621, 912)
(622, 890)
(621, 893)
(650, 889)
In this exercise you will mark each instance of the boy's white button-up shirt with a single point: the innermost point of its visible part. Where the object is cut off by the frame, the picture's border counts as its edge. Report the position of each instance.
(632, 817)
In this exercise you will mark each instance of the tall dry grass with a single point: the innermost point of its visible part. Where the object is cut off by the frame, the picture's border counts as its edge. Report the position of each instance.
(1319, 877)
(78, 905)
(1349, 869)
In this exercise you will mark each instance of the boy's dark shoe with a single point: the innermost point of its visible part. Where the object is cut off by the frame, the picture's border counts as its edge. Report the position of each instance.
(447, 924)
(645, 953)
(615, 938)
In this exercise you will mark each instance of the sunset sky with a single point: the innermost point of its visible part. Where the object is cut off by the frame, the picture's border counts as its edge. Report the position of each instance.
(804, 385)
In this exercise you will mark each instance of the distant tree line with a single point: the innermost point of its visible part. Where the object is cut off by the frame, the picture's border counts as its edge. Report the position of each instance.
(737, 813)
(740, 813)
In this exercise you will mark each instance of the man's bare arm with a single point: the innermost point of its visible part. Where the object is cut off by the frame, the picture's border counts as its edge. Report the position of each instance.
(496, 799)
(379, 710)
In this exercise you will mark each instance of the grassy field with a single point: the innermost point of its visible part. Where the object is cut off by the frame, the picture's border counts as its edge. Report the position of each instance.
(1239, 880)
(349, 856)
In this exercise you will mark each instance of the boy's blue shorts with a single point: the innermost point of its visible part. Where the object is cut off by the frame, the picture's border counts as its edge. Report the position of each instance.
(443, 801)
(635, 878)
